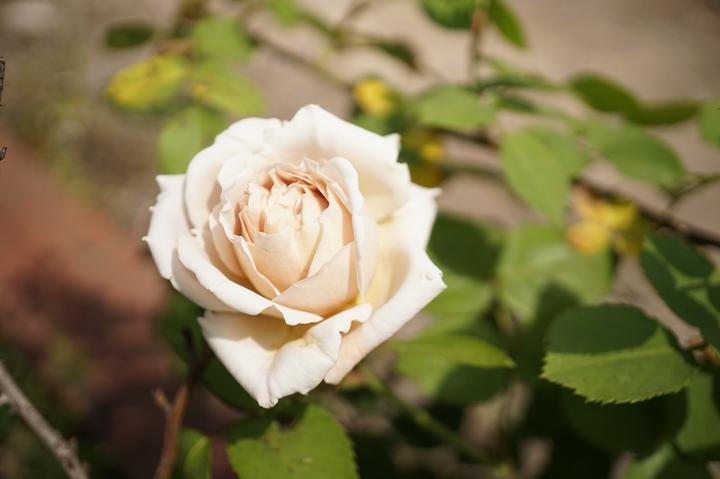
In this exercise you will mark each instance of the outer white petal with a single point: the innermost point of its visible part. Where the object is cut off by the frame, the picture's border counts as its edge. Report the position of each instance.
(415, 282)
(186, 282)
(413, 222)
(317, 134)
(193, 256)
(271, 359)
(167, 223)
(364, 227)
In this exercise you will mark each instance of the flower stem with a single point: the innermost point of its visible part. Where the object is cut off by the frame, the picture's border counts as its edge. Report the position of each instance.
(424, 420)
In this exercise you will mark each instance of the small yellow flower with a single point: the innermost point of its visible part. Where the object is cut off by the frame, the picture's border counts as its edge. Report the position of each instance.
(432, 150)
(373, 97)
(604, 223)
(588, 236)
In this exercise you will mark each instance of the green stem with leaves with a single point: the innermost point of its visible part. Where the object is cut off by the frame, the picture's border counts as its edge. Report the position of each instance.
(424, 420)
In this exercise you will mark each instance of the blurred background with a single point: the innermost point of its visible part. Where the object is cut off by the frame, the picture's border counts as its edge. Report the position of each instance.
(79, 295)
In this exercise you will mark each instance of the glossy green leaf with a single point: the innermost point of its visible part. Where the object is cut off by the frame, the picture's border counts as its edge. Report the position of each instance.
(686, 281)
(194, 459)
(663, 113)
(454, 108)
(466, 252)
(539, 163)
(636, 154)
(710, 122)
(699, 433)
(455, 14)
(150, 84)
(450, 379)
(128, 34)
(460, 349)
(217, 86)
(614, 354)
(184, 135)
(537, 259)
(665, 464)
(222, 38)
(617, 427)
(603, 94)
(314, 447)
(507, 23)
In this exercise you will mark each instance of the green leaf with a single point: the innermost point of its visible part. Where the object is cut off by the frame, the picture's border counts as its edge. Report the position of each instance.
(686, 281)
(455, 14)
(194, 458)
(453, 108)
(128, 34)
(507, 23)
(446, 379)
(459, 349)
(636, 153)
(399, 50)
(184, 135)
(617, 427)
(537, 259)
(287, 12)
(149, 85)
(699, 434)
(710, 122)
(466, 252)
(315, 447)
(603, 94)
(539, 163)
(663, 113)
(216, 86)
(614, 354)
(665, 464)
(221, 38)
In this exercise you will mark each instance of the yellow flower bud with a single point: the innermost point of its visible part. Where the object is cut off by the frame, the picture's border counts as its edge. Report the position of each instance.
(588, 236)
(373, 97)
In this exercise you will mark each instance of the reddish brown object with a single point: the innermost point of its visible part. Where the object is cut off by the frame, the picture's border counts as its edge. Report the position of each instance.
(66, 271)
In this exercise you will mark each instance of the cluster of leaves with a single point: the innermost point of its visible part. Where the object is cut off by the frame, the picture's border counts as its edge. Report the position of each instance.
(524, 306)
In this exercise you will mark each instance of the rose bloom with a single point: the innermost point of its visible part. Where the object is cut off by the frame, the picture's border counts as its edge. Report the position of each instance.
(304, 241)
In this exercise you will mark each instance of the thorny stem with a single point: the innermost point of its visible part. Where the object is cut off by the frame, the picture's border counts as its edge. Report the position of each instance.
(64, 450)
(424, 420)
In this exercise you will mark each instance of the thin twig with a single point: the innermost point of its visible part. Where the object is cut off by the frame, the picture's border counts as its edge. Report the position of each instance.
(175, 415)
(64, 450)
(424, 420)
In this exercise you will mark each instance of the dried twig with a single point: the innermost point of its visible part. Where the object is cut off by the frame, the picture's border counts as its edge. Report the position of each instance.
(175, 413)
(63, 449)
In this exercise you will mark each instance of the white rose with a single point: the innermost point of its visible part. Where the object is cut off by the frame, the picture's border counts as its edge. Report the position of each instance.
(305, 243)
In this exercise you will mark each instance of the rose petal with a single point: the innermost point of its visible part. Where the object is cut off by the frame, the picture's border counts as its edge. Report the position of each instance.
(201, 181)
(332, 287)
(342, 172)
(413, 222)
(415, 281)
(186, 282)
(195, 258)
(167, 223)
(317, 134)
(271, 359)
(224, 247)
